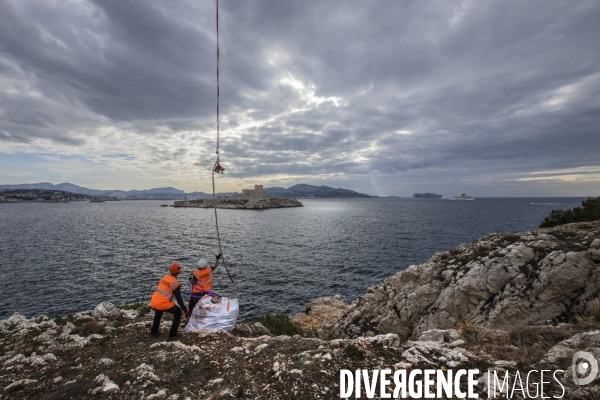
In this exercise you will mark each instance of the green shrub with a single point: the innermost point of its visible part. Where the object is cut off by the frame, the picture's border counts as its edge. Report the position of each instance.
(589, 211)
(141, 307)
(280, 324)
(354, 353)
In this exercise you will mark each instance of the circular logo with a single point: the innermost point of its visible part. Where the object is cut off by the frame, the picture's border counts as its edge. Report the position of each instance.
(585, 368)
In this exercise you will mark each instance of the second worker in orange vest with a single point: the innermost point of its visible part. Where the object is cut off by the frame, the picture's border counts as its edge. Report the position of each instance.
(163, 300)
(201, 281)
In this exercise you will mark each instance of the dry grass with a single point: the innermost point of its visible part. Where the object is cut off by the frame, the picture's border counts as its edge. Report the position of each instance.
(89, 328)
(469, 331)
(524, 345)
(593, 309)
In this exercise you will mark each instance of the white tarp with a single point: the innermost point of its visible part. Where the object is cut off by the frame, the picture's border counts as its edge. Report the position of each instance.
(214, 316)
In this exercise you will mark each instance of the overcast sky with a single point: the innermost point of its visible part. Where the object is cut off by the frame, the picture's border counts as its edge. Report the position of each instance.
(386, 97)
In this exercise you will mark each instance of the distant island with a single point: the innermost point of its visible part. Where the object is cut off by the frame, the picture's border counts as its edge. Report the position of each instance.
(427, 196)
(169, 193)
(249, 199)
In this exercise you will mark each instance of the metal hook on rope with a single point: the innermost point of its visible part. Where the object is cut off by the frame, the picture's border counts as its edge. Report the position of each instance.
(218, 168)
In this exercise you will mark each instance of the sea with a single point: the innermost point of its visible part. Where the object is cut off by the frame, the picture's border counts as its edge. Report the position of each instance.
(62, 258)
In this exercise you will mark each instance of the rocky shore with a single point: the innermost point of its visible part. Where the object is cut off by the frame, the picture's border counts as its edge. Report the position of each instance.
(243, 204)
(255, 204)
(501, 304)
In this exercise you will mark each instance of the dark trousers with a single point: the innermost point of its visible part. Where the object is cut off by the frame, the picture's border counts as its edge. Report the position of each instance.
(194, 300)
(176, 311)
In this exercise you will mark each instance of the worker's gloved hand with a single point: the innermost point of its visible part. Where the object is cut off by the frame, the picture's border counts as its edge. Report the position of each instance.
(187, 313)
(219, 256)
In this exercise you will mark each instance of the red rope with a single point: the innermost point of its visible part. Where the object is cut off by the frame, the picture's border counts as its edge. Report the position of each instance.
(217, 167)
(218, 94)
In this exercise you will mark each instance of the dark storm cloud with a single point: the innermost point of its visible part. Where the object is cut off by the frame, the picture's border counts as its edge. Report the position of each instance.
(314, 87)
(123, 60)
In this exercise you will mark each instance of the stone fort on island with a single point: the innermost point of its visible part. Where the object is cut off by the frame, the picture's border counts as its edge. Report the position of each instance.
(255, 198)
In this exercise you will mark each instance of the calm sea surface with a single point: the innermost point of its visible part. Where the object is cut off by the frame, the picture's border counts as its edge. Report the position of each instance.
(63, 258)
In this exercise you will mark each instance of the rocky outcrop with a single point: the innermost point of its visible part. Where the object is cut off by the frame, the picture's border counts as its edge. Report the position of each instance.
(499, 282)
(256, 204)
(241, 203)
(320, 311)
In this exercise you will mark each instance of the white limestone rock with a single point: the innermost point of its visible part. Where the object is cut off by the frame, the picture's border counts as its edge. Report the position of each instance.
(214, 383)
(146, 372)
(440, 335)
(497, 282)
(161, 394)
(19, 384)
(18, 359)
(260, 348)
(106, 385)
(129, 314)
(322, 310)
(105, 309)
(259, 329)
(562, 353)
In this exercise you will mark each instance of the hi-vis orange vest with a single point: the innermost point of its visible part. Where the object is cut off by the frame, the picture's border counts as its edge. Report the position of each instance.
(203, 280)
(163, 298)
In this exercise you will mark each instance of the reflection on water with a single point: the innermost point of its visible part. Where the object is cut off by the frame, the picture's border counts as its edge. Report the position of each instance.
(64, 258)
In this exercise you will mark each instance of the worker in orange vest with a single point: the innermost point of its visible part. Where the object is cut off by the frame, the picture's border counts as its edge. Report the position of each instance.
(168, 290)
(201, 281)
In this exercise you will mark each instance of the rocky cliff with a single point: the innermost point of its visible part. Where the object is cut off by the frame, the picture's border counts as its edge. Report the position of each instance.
(545, 276)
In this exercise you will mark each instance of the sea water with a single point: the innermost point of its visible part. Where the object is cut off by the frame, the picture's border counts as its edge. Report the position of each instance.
(64, 258)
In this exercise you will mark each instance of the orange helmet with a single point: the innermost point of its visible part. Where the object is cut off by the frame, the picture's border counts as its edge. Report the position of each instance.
(175, 268)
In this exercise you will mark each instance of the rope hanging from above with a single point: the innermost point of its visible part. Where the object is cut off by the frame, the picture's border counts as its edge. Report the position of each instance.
(217, 167)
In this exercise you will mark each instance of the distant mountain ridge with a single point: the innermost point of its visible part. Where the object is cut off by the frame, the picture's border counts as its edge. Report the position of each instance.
(303, 190)
(169, 193)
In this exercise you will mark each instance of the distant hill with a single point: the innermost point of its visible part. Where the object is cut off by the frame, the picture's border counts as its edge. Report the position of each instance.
(42, 195)
(310, 191)
(65, 187)
(169, 193)
(427, 196)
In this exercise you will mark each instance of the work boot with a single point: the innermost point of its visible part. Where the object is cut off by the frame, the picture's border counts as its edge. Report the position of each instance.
(176, 337)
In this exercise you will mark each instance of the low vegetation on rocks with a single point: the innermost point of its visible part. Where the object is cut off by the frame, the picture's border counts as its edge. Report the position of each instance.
(588, 212)
(503, 303)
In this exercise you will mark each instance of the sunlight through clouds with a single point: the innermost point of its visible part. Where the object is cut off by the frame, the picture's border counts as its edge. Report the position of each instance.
(394, 97)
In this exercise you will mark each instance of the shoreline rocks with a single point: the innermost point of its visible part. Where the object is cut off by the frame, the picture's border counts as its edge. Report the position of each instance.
(320, 311)
(243, 204)
(499, 281)
(256, 204)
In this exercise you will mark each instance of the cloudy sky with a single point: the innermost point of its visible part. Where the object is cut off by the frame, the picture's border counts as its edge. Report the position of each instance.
(386, 97)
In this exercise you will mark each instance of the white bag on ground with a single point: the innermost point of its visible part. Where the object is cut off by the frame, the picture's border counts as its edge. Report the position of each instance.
(214, 316)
